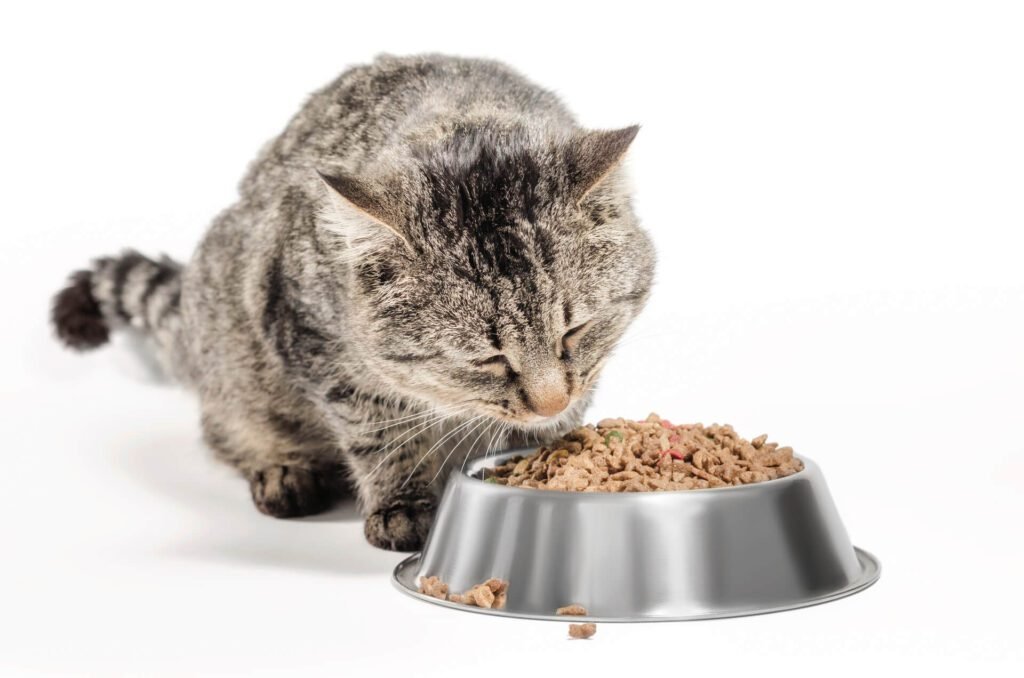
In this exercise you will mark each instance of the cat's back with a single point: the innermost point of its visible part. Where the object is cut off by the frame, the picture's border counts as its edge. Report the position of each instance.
(454, 84)
(395, 102)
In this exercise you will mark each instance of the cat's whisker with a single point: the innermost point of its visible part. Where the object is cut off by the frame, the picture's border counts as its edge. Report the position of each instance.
(505, 426)
(456, 447)
(391, 423)
(490, 442)
(472, 445)
(439, 442)
(505, 435)
(436, 417)
(399, 442)
(433, 447)
(440, 408)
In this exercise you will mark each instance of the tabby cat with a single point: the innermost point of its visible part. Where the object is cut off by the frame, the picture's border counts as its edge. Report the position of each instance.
(433, 260)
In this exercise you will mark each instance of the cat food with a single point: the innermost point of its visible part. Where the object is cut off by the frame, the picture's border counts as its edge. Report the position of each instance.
(577, 631)
(620, 455)
(572, 610)
(434, 587)
(491, 594)
(582, 631)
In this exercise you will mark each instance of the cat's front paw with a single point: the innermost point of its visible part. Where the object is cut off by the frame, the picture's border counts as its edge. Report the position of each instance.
(403, 523)
(290, 491)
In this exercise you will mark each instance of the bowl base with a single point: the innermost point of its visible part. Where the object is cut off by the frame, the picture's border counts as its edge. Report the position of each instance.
(405, 574)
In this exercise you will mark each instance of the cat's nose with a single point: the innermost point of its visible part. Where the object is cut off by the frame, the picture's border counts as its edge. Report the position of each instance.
(547, 397)
(549, 404)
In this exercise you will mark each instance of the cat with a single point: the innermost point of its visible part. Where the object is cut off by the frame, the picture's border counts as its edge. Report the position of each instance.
(433, 260)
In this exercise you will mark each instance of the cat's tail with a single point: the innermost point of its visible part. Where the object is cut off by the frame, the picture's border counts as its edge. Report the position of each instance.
(127, 290)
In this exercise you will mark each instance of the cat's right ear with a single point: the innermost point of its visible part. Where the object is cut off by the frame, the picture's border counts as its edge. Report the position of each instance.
(364, 199)
(593, 155)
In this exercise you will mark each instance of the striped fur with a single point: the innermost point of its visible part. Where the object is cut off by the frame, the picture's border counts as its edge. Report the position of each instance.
(129, 289)
(432, 260)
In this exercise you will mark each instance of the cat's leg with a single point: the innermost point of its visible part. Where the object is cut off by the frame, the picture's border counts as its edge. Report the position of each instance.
(399, 477)
(292, 466)
(396, 497)
(399, 483)
(292, 490)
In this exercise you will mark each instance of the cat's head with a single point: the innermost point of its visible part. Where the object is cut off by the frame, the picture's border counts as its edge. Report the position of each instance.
(493, 272)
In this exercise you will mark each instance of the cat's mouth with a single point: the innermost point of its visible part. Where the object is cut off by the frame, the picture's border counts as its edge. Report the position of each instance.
(528, 421)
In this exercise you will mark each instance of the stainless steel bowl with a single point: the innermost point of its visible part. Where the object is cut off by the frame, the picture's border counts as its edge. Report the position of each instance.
(648, 556)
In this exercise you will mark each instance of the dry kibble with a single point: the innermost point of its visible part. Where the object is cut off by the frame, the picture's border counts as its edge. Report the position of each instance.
(619, 455)
(433, 587)
(582, 631)
(496, 585)
(492, 594)
(574, 610)
(481, 595)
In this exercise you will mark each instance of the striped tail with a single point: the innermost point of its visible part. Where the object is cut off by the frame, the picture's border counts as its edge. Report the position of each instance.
(119, 291)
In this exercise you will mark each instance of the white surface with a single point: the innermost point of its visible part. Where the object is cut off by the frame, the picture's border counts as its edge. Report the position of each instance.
(836, 195)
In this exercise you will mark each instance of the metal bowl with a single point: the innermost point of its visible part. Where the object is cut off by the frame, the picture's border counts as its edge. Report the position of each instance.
(647, 556)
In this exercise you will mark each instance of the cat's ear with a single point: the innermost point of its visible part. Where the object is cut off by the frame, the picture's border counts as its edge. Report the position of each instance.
(367, 199)
(591, 156)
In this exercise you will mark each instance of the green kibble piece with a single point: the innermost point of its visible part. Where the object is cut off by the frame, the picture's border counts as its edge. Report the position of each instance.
(613, 434)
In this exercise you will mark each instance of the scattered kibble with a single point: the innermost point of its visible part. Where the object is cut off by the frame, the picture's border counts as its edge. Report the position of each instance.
(491, 594)
(574, 610)
(433, 587)
(579, 631)
(582, 631)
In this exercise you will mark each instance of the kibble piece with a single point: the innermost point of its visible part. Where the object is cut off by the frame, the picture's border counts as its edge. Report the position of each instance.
(481, 596)
(492, 594)
(582, 631)
(433, 587)
(496, 585)
(574, 610)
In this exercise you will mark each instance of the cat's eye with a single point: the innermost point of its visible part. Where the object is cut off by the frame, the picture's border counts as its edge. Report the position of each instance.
(497, 365)
(571, 339)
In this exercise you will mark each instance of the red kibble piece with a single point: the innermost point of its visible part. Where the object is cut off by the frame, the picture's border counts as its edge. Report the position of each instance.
(675, 454)
(665, 423)
(673, 438)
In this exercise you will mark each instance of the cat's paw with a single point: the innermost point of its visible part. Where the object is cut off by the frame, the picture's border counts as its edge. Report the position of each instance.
(403, 523)
(290, 491)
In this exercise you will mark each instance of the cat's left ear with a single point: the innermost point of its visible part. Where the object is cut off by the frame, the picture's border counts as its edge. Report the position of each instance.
(591, 156)
(370, 200)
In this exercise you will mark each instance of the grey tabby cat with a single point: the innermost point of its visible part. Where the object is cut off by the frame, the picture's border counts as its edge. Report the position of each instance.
(433, 259)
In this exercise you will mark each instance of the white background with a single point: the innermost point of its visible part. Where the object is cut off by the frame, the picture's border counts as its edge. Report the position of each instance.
(836, 194)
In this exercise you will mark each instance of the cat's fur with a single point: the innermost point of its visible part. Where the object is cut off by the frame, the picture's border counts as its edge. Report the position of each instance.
(417, 217)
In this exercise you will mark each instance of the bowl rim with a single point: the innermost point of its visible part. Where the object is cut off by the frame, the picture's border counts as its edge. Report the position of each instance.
(466, 474)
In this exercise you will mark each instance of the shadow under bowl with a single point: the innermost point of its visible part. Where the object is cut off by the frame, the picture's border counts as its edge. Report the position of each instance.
(642, 556)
